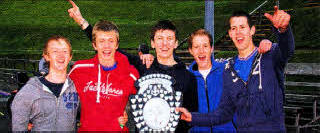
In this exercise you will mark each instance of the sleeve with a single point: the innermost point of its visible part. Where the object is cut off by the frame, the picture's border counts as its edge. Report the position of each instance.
(21, 110)
(88, 32)
(73, 74)
(134, 74)
(286, 46)
(223, 114)
(133, 60)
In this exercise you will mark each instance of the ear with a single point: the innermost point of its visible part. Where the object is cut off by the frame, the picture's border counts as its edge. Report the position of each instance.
(152, 44)
(117, 46)
(176, 44)
(252, 30)
(46, 57)
(190, 51)
(94, 46)
(229, 34)
(70, 58)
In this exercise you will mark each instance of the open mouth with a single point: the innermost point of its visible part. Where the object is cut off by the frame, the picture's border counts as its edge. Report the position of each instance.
(240, 39)
(164, 50)
(202, 57)
(61, 61)
(106, 52)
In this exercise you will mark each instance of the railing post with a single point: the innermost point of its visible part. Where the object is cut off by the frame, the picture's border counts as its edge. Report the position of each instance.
(209, 19)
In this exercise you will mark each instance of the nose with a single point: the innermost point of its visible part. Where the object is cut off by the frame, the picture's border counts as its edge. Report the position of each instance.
(106, 45)
(165, 42)
(201, 50)
(238, 30)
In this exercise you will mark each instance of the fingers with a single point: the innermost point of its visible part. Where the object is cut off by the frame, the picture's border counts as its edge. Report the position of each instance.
(125, 115)
(147, 59)
(73, 4)
(185, 114)
(276, 9)
(268, 16)
(122, 120)
(280, 19)
(264, 46)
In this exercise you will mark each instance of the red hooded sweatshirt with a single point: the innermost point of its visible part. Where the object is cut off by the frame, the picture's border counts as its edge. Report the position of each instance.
(103, 94)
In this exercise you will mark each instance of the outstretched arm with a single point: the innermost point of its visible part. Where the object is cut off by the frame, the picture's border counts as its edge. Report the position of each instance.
(222, 114)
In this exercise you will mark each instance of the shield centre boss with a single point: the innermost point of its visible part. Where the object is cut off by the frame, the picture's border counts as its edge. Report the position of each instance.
(153, 107)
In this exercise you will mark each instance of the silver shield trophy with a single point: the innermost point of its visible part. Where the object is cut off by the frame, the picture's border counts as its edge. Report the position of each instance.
(153, 107)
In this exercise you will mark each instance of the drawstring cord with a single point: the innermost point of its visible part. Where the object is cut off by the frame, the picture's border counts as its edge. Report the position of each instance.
(98, 86)
(260, 79)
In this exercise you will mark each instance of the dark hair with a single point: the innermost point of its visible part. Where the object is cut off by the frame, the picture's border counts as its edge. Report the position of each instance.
(104, 25)
(56, 38)
(199, 32)
(164, 25)
(240, 14)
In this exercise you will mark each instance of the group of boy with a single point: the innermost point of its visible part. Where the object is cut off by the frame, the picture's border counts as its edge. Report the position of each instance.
(244, 93)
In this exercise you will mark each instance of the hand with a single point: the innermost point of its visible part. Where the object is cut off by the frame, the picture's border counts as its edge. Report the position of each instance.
(280, 19)
(185, 114)
(147, 59)
(75, 14)
(264, 46)
(123, 119)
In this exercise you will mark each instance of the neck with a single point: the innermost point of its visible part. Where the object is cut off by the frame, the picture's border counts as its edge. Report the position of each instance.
(107, 63)
(206, 67)
(246, 52)
(166, 61)
(57, 76)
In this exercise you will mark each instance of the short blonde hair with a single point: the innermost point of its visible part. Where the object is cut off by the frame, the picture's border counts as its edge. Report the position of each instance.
(106, 26)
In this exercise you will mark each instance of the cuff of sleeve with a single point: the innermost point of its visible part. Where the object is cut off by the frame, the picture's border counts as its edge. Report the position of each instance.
(196, 119)
(84, 25)
(284, 31)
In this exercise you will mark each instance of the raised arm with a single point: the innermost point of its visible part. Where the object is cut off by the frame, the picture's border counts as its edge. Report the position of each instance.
(75, 14)
(280, 20)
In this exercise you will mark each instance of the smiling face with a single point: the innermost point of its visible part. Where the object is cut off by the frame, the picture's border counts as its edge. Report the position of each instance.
(201, 51)
(164, 42)
(58, 54)
(241, 33)
(106, 44)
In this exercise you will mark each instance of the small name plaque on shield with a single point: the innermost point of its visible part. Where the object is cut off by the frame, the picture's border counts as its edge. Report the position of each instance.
(153, 107)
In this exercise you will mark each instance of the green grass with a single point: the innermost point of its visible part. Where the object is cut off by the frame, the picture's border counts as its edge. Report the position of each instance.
(26, 24)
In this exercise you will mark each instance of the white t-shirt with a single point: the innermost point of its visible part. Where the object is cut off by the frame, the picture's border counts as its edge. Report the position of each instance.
(204, 73)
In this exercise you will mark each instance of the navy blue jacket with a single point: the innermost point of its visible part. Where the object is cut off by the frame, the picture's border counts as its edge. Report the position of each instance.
(209, 94)
(257, 103)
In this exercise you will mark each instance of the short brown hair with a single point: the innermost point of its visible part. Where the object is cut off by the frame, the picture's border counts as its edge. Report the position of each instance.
(200, 32)
(56, 38)
(104, 25)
